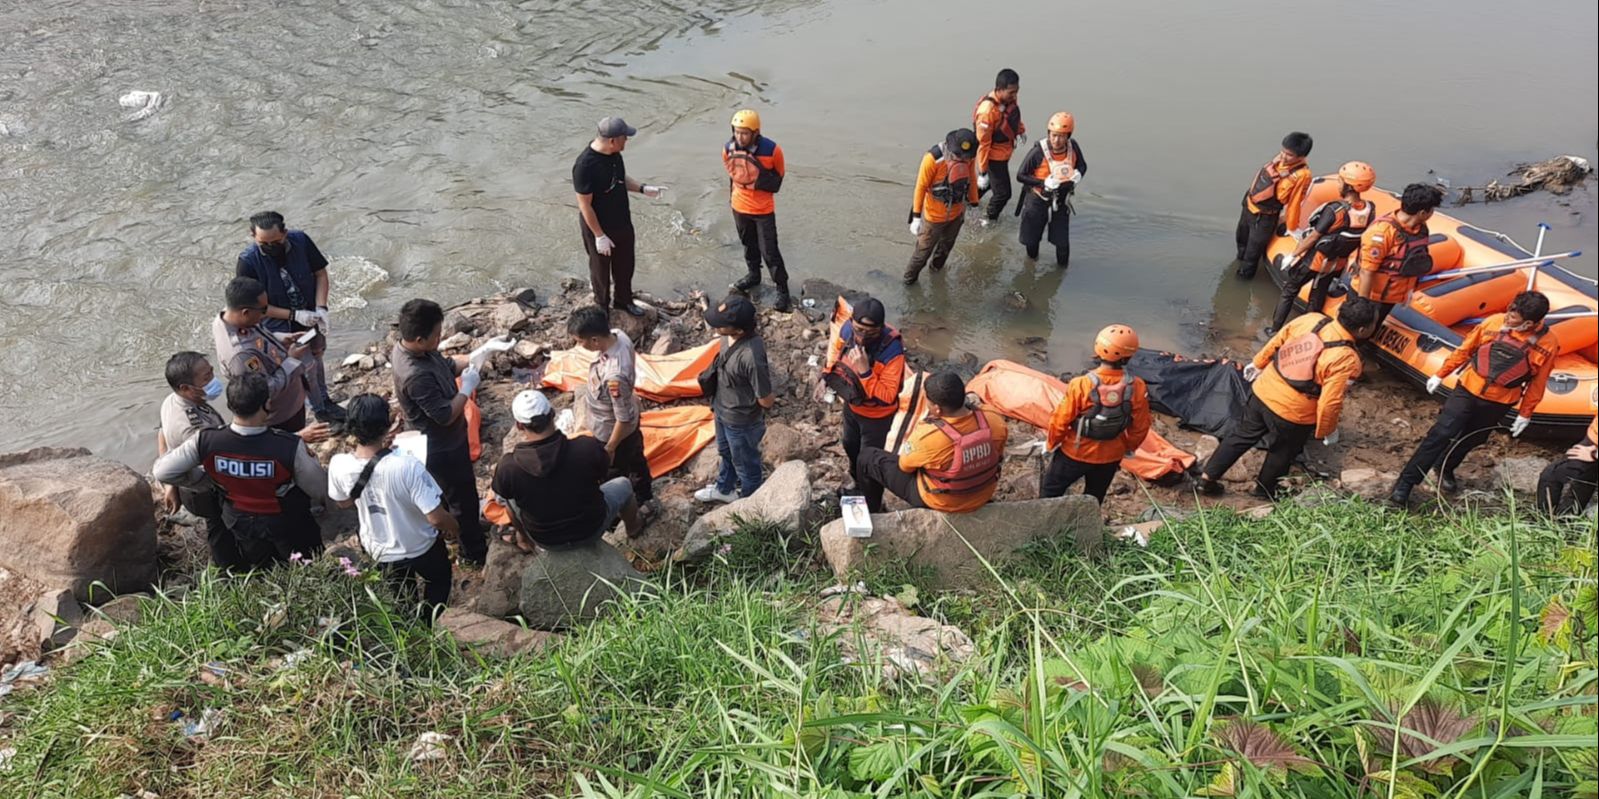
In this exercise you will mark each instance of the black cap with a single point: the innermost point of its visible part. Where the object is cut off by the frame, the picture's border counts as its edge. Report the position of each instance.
(611, 127)
(870, 311)
(735, 311)
(961, 143)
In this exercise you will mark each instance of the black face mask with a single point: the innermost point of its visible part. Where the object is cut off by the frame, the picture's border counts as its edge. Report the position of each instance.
(276, 249)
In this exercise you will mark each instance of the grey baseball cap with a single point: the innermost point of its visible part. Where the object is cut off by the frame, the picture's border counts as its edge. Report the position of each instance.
(611, 127)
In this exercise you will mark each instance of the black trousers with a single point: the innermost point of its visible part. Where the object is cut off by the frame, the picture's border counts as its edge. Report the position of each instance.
(999, 189)
(293, 424)
(879, 470)
(1040, 218)
(631, 463)
(205, 504)
(1462, 426)
(452, 470)
(431, 569)
(263, 541)
(758, 234)
(616, 269)
(1254, 424)
(860, 431)
(1063, 471)
(1581, 477)
(1254, 233)
(1295, 279)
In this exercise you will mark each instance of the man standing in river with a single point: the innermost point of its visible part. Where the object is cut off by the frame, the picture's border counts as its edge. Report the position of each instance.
(600, 180)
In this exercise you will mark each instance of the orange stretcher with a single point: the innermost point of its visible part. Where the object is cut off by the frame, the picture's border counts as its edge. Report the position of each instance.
(1028, 395)
(1420, 334)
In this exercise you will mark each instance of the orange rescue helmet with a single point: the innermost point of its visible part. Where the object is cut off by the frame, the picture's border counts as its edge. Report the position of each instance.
(1358, 175)
(1062, 122)
(1116, 343)
(746, 118)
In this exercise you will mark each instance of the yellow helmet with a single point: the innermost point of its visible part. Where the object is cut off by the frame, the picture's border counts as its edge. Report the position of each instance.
(747, 118)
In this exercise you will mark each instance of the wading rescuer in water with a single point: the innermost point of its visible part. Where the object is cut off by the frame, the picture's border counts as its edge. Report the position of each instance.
(1103, 416)
(1333, 234)
(599, 178)
(1272, 204)
(1393, 251)
(951, 460)
(755, 174)
(1508, 359)
(1051, 172)
(1299, 379)
(998, 123)
(945, 188)
(866, 368)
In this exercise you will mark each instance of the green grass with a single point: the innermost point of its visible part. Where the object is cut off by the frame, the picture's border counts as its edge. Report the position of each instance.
(1333, 652)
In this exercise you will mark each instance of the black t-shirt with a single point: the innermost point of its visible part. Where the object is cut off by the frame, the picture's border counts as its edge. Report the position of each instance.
(555, 484)
(605, 178)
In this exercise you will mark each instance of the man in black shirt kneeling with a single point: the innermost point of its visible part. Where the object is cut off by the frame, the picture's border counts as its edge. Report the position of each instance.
(555, 486)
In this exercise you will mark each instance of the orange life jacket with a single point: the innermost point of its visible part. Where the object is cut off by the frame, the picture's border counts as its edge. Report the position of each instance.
(975, 463)
(1411, 258)
(1341, 242)
(1296, 359)
(1505, 361)
(1263, 192)
(1112, 411)
(747, 169)
(1010, 119)
(953, 188)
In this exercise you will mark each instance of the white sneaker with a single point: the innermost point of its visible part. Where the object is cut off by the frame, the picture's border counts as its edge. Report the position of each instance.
(710, 494)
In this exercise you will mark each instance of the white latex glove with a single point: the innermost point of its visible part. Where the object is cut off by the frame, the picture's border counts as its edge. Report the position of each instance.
(1331, 439)
(1519, 426)
(1251, 372)
(470, 380)
(1433, 383)
(916, 226)
(1021, 141)
(323, 320)
(305, 318)
(1051, 183)
(1075, 177)
(603, 245)
(651, 192)
(982, 181)
(481, 355)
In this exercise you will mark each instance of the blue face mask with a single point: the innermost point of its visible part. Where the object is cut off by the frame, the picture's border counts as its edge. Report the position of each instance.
(213, 389)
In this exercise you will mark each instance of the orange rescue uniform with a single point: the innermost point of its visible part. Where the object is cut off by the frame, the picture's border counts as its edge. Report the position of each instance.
(1079, 399)
(746, 198)
(885, 371)
(1540, 357)
(1384, 243)
(997, 125)
(942, 171)
(1334, 368)
(929, 448)
(1290, 189)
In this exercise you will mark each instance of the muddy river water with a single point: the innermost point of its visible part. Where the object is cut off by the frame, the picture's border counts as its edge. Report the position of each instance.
(427, 146)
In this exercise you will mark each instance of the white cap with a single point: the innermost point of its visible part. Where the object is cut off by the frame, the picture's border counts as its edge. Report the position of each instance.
(529, 405)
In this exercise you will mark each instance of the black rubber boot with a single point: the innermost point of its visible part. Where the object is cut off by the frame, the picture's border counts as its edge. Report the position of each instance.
(748, 281)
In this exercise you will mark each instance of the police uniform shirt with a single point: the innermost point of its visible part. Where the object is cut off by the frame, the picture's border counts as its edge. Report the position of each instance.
(242, 350)
(182, 419)
(610, 397)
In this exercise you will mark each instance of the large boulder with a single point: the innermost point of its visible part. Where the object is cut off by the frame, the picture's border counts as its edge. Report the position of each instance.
(785, 498)
(933, 540)
(70, 520)
(501, 585)
(561, 587)
(1520, 474)
(782, 443)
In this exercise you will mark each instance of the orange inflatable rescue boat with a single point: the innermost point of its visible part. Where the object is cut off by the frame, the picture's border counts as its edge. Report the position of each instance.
(1475, 273)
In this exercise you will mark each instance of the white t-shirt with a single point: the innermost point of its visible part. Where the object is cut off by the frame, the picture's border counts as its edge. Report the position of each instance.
(394, 506)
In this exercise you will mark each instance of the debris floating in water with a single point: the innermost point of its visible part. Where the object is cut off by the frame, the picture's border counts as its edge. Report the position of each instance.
(1557, 175)
(142, 103)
